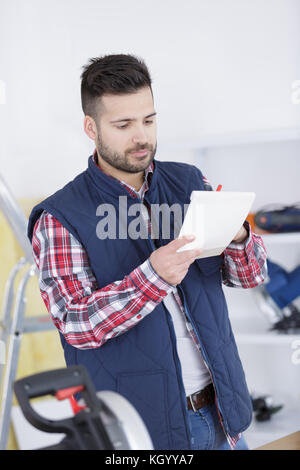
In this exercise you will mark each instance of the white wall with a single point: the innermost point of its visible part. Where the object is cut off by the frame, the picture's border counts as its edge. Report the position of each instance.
(217, 66)
(270, 169)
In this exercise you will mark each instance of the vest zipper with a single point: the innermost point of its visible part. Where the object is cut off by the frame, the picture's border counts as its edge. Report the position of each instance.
(204, 358)
(179, 375)
(176, 358)
(177, 361)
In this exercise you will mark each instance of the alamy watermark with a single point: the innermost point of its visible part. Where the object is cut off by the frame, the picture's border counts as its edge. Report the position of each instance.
(296, 354)
(2, 92)
(295, 95)
(131, 221)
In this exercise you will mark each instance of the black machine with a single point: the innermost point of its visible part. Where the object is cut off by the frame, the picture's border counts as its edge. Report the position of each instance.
(102, 421)
(263, 407)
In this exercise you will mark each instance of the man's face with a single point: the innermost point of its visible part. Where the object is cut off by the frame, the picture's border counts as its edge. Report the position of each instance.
(127, 124)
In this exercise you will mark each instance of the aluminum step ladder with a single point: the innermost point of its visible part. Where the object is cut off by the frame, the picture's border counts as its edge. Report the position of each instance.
(13, 323)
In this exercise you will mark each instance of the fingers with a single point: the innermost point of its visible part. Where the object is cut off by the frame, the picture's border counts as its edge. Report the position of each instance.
(169, 264)
(174, 245)
(186, 256)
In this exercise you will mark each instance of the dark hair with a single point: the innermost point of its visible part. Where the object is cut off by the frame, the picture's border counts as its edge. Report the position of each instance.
(114, 74)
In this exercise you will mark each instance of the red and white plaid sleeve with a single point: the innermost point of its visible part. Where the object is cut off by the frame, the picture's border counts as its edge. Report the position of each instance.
(86, 315)
(245, 264)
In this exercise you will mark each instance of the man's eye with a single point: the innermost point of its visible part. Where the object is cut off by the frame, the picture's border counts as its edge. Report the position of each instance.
(126, 125)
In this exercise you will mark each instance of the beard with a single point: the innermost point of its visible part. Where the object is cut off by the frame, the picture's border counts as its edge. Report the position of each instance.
(126, 162)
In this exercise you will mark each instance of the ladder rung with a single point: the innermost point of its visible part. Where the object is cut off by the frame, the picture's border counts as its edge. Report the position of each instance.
(38, 323)
(31, 324)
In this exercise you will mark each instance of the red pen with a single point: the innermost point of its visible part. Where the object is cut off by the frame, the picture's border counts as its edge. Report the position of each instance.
(219, 187)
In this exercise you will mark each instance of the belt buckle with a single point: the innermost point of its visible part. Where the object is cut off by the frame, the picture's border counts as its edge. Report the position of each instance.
(192, 403)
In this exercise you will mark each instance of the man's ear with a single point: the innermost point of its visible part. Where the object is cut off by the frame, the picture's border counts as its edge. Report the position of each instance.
(90, 127)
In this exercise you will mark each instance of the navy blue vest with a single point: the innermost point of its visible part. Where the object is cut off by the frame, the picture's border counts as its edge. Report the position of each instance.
(142, 364)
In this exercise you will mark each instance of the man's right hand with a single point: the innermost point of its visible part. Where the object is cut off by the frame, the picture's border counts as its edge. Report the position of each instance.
(172, 266)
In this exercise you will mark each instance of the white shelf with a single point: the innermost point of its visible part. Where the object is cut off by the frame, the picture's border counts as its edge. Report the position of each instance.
(266, 338)
(281, 238)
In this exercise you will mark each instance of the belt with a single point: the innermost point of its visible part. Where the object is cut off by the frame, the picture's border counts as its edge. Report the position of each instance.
(202, 398)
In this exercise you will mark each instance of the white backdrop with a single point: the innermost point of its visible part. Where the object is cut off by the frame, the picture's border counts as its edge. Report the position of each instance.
(217, 66)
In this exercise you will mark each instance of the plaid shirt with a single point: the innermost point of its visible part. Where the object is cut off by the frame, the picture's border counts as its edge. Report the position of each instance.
(88, 316)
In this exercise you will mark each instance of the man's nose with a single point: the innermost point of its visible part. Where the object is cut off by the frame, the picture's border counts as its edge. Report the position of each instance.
(140, 136)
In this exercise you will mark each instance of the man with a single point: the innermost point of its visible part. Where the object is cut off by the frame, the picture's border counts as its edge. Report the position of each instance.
(147, 321)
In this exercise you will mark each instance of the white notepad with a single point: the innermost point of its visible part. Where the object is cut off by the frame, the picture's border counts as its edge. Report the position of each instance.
(215, 217)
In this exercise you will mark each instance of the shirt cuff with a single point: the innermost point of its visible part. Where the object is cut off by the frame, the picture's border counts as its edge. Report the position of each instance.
(246, 244)
(147, 280)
